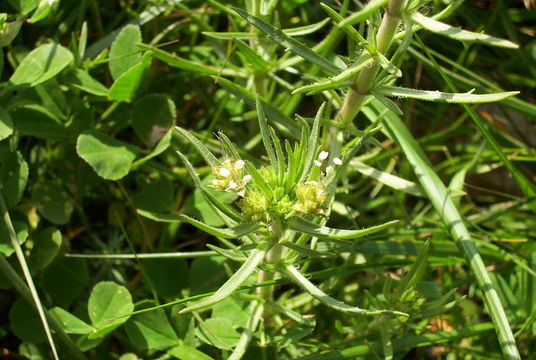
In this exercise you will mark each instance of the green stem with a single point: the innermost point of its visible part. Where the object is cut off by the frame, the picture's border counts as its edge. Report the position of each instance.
(356, 95)
(273, 257)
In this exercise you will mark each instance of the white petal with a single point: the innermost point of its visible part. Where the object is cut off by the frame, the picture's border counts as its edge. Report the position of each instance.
(232, 185)
(241, 193)
(247, 179)
(224, 172)
(337, 161)
(318, 163)
(239, 164)
(323, 155)
(329, 170)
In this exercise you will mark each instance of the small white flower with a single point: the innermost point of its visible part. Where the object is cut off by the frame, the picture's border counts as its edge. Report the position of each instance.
(239, 164)
(241, 193)
(329, 170)
(337, 161)
(232, 185)
(224, 172)
(323, 155)
(318, 163)
(247, 179)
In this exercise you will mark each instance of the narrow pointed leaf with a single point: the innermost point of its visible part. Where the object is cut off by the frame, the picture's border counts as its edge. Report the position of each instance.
(181, 63)
(364, 13)
(250, 57)
(209, 197)
(306, 29)
(226, 233)
(288, 42)
(390, 180)
(259, 180)
(428, 95)
(324, 298)
(312, 143)
(265, 133)
(459, 34)
(211, 160)
(337, 81)
(232, 284)
(305, 226)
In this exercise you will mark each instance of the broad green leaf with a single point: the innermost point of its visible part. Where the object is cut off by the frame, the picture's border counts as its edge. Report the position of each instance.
(126, 85)
(70, 323)
(288, 42)
(162, 146)
(40, 65)
(218, 332)
(24, 6)
(428, 95)
(46, 244)
(324, 298)
(152, 117)
(233, 309)
(155, 196)
(206, 275)
(110, 158)
(13, 177)
(459, 34)
(186, 352)
(64, 280)
(238, 278)
(181, 63)
(124, 53)
(25, 323)
(53, 202)
(151, 330)
(21, 231)
(8, 31)
(81, 79)
(300, 224)
(107, 305)
(36, 120)
(226, 233)
(157, 273)
(44, 9)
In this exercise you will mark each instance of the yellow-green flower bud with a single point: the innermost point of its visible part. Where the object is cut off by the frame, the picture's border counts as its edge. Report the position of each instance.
(254, 206)
(311, 198)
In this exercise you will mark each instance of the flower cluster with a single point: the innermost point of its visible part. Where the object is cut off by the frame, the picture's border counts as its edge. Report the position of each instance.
(230, 177)
(308, 197)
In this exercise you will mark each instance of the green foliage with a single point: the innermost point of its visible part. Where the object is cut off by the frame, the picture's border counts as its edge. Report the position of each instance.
(262, 179)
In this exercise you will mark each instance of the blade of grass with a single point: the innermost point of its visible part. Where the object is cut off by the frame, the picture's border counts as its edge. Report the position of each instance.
(439, 196)
(26, 271)
(527, 187)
